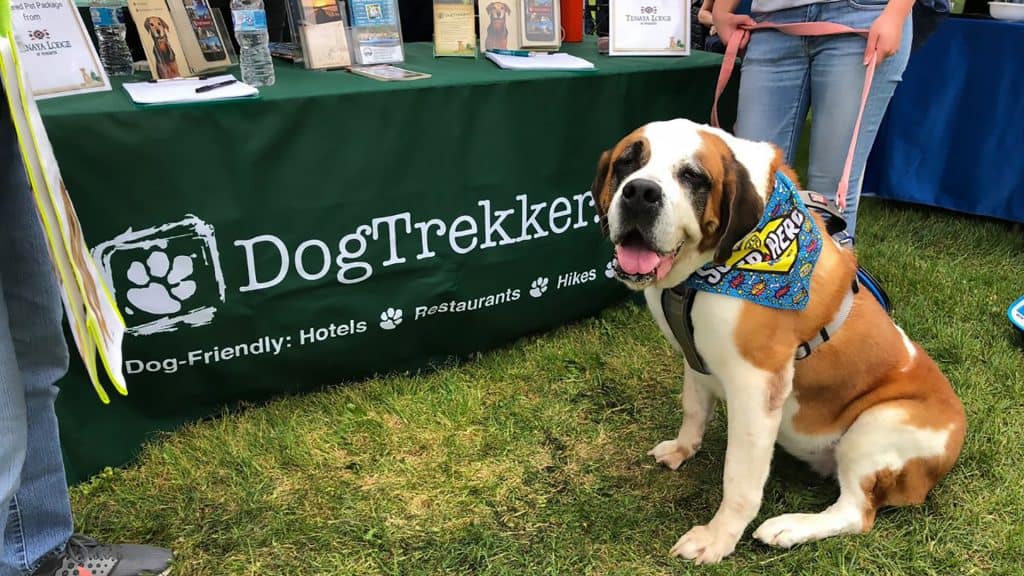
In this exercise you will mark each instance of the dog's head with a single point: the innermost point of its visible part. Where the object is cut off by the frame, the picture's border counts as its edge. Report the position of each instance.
(676, 195)
(156, 27)
(498, 10)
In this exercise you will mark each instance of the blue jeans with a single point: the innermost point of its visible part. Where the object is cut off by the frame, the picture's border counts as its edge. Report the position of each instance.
(783, 76)
(714, 44)
(35, 513)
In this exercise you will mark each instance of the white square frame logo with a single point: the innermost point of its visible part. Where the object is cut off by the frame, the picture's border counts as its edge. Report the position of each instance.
(155, 293)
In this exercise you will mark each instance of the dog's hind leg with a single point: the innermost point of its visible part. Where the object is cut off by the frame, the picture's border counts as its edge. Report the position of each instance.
(882, 460)
(698, 402)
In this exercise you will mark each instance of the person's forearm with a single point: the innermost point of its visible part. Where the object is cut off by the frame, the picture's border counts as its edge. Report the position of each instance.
(723, 7)
(704, 14)
(902, 8)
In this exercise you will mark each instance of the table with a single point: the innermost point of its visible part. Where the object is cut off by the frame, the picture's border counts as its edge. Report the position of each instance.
(954, 132)
(341, 227)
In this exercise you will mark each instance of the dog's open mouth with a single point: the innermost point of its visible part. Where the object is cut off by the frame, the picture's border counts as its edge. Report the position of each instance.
(637, 262)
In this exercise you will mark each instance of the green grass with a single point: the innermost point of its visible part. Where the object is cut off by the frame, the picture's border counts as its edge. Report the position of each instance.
(530, 459)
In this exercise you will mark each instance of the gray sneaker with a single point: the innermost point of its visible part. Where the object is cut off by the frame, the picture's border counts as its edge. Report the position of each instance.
(86, 557)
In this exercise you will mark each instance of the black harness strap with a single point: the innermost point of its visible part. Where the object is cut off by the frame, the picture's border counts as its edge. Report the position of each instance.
(836, 222)
(676, 304)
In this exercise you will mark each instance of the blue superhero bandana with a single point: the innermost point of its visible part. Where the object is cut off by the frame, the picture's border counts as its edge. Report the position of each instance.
(773, 264)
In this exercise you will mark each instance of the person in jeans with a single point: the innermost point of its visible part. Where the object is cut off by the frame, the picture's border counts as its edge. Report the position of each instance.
(35, 512)
(783, 76)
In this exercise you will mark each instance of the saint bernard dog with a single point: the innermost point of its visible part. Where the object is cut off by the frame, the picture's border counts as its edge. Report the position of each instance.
(868, 406)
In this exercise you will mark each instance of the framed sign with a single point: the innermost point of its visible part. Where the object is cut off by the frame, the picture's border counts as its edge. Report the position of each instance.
(55, 49)
(649, 28)
(454, 28)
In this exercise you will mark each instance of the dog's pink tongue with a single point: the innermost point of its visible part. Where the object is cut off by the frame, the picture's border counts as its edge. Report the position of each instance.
(664, 266)
(634, 260)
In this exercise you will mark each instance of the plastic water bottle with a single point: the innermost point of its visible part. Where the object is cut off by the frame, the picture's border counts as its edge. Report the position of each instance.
(108, 21)
(253, 42)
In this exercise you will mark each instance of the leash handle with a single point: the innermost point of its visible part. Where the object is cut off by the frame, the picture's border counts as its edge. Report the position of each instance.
(800, 29)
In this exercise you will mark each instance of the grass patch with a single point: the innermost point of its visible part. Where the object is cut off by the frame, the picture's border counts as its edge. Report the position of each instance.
(530, 459)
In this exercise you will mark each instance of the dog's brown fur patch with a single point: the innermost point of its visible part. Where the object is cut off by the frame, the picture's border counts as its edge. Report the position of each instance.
(712, 157)
(733, 207)
(907, 486)
(604, 182)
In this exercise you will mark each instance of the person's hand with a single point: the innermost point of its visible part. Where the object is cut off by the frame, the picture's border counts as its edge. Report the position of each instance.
(727, 23)
(884, 37)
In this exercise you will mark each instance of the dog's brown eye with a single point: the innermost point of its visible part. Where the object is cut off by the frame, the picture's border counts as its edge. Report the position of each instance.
(692, 175)
(628, 162)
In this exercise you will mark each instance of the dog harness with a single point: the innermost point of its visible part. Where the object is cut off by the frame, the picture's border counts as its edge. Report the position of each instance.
(772, 267)
(677, 302)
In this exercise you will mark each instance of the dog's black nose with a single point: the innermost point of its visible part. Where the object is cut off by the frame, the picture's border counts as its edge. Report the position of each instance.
(641, 194)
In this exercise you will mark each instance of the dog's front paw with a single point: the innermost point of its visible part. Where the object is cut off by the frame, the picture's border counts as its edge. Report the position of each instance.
(789, 530)
(705, 545)
(671, 453)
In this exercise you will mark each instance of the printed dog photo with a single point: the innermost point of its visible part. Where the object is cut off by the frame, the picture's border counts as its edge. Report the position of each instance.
(497, 28)
(163, 54)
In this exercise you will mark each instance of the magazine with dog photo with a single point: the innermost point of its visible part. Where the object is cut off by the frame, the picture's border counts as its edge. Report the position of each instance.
(159, 38)
(202, 39)
(376, 32)
(499, 24)
(541, 24)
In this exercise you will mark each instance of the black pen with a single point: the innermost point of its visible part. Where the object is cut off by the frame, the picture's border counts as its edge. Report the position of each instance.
(209, 87)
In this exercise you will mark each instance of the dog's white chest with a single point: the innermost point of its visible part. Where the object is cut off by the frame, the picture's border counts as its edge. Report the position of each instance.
(817, 450)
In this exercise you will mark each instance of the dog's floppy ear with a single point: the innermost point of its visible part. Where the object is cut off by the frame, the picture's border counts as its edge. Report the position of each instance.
(597, 189)
(741, 208)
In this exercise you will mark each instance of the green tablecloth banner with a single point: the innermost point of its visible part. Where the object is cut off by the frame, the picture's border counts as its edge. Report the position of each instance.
(340, 227)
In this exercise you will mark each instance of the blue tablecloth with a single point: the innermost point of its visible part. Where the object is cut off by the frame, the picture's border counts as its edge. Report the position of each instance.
(954, 133)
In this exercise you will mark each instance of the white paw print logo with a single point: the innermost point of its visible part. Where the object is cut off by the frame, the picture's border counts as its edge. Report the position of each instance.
(538, 287)
(161, 285)
(390, 318)
(609, 270)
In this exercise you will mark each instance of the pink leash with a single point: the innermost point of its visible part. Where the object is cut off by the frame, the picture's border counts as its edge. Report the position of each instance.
(800, 29)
